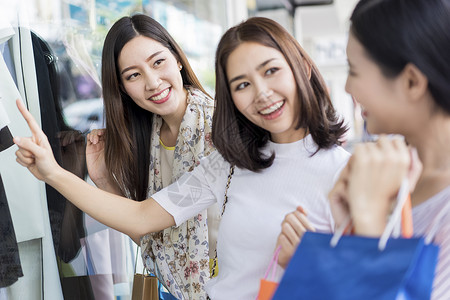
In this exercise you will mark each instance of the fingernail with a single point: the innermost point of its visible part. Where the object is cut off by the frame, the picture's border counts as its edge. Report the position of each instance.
(302, 210)
(16, 140)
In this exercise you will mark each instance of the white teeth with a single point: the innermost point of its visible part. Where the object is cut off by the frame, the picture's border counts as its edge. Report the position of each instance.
(160, 96)
(272, 108)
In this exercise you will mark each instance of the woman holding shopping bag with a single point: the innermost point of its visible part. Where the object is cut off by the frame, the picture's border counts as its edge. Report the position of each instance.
(277, 136)
(399, 72)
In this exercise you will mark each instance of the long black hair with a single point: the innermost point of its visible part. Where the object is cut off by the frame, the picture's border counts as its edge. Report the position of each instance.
(128, 126)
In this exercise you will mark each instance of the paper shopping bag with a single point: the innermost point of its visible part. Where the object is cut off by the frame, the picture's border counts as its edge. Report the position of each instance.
(145, 287)
(357, 269)
(266, 289)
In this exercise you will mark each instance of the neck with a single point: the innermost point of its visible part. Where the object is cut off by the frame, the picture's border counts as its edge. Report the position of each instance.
(171, 124)
(290, 137)
(433, 146)
(433, 143)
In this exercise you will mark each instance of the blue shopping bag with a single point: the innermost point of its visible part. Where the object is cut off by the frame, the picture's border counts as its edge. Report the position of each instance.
(163, 293)
(357, 269)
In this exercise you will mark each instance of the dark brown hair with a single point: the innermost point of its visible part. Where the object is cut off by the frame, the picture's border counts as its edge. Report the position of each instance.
(239, 140)
(128, 126)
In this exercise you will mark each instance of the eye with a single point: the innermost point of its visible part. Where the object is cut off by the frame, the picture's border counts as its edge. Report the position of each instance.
(158, 62)
(271, 71)
(241, 86)
(132, 76)
(350, 72)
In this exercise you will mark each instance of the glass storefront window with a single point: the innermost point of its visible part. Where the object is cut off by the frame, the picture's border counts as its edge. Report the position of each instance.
(92, 259)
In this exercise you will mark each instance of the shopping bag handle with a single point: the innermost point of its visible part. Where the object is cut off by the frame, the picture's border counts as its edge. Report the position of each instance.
(402, 197)
(273, 264)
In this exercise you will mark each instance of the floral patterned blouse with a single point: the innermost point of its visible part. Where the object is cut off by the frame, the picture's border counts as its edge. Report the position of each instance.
(179, 255)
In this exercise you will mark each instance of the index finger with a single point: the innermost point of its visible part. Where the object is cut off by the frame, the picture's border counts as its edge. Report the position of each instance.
(35, 128)
(304, 221)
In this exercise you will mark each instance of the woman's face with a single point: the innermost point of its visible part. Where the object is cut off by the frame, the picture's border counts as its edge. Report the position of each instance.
(381, 98)
(150, 75)
(264, 90)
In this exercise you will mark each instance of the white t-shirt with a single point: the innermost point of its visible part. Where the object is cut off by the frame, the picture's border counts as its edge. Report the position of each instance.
(167, 154)
(425, 216)
(257, 204)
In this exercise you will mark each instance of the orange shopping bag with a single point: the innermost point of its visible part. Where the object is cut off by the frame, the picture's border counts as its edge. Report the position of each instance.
(267, 287)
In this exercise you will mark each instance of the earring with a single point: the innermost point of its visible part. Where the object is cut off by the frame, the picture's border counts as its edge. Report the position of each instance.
(180, 67)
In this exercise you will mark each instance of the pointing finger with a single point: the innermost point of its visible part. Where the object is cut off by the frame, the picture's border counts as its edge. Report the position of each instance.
(35, 128)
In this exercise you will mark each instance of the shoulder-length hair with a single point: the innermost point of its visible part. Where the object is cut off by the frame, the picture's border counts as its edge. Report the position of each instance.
(128, 126)
(397, 32)
(239, 140)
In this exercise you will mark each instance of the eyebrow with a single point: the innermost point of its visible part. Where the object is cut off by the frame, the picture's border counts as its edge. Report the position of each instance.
(147, 60)
(239, 77)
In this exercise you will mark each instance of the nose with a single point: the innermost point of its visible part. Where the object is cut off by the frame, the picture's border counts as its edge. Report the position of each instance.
(263, 92)
(263, 95)
(152, 81)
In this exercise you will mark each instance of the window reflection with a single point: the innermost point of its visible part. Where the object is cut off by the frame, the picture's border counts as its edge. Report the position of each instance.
(94, 261)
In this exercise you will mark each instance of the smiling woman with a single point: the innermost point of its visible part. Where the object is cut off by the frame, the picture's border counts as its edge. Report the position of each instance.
(150, 75)
(152, 98)
(264, 91)
(250, 86)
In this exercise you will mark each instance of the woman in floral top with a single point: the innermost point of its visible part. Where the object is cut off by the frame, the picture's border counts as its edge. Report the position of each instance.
(158, 126)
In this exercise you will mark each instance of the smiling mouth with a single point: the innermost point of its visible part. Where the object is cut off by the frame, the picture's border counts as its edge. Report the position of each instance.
(272, 108)
(160, 96)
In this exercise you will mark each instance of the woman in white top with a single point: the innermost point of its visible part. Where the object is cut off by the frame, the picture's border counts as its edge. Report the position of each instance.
(277, 136)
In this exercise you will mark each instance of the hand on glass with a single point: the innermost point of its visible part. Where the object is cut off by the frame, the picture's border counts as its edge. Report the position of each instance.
(95, 157)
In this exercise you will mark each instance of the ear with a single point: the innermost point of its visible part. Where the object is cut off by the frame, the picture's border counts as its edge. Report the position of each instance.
(415, 82)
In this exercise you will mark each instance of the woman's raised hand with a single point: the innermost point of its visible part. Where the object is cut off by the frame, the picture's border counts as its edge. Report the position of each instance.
(369, 184)
(35, 152)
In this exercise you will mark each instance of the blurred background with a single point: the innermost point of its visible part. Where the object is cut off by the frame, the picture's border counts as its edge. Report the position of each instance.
(74, 31)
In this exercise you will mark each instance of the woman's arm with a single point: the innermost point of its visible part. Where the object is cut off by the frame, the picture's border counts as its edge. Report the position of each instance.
(130, 217)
